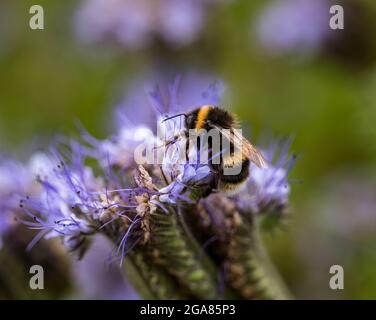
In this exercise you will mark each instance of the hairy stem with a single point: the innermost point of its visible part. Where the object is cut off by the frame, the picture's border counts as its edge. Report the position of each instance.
(180, 255)
(149, 280)
(248, 270)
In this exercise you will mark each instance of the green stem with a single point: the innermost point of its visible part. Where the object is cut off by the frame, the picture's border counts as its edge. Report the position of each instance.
(150, 281)
(251, 271)
(181, 256)
(248, 269)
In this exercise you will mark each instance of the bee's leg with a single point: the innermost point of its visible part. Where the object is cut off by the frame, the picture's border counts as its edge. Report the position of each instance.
(186, 145)
(213, 187)
(216, 168)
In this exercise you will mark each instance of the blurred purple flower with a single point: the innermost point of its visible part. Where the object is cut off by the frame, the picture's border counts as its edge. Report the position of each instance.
(293, 26)
(129, 22)
(181, 20)
(267, 189)
(135, 24)
(97, 278)
(16, 179)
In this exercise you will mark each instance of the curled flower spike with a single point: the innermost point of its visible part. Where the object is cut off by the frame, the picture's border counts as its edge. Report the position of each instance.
(60, 209)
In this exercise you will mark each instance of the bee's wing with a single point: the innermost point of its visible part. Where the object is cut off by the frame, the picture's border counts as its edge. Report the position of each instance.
(254, 155)
(247, 149)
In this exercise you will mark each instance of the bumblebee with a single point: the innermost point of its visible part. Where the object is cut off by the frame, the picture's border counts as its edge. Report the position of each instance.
(207, 118)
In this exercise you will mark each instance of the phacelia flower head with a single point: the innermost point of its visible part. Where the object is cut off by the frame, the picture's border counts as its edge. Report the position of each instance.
(62, 207)
(76, 201)
(98, 186)
(75, 204)
(189, 179)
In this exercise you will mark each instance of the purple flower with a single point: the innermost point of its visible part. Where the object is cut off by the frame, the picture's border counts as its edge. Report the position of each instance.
(74, 204)
(294, 26)
(136, 24)
(181, 20)
(16, 180)
(189, 177)
(81, 189)
(267, 189)
(128, 22)
(100, 280)
(119, 149)
(65, 198)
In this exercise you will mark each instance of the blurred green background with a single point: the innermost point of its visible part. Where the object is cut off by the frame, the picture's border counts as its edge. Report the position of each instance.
(327, 102)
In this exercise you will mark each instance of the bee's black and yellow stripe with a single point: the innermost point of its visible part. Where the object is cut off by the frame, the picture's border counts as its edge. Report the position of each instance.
(204, 118)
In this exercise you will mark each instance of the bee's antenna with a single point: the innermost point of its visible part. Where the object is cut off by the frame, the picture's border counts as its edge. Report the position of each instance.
(176, 115)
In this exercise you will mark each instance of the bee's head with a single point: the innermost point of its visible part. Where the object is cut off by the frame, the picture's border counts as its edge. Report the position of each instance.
(197, 119)
(190, 120)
